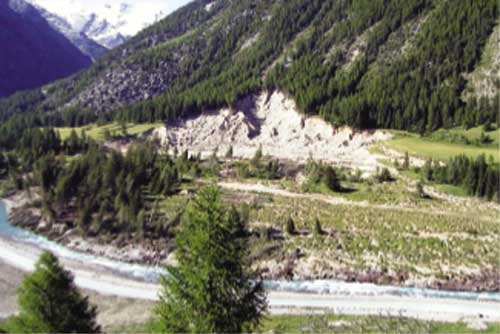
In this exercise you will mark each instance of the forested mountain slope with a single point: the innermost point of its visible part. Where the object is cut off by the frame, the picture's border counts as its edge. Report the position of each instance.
(32, 52)
(364, 63)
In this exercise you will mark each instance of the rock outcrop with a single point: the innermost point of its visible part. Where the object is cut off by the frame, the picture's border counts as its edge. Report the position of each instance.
(271, 121)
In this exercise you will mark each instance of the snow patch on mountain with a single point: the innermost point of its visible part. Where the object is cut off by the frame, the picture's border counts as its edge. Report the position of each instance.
(209, 6)
(33, 52)
(88, 46)
(110, 22)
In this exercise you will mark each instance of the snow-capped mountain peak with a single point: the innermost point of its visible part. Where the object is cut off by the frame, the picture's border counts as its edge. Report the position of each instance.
(110, 22)
(88, 46)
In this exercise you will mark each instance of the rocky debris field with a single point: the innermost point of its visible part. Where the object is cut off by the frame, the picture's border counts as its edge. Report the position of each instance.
(272, 122)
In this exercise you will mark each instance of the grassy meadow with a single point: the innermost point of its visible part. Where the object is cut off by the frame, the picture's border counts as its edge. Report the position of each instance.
(445, 144)
(115, 129)
(340, 324)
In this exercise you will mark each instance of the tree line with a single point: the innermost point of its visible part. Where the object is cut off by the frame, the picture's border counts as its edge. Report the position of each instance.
(479, 177)
(108, 189)
(211, 290)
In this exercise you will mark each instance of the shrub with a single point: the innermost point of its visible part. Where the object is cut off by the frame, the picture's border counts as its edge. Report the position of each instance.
(406, 162)
(420, 190)
(384, 176)
(485, 139)
(229, 153)
(318, 230)
(290, 226)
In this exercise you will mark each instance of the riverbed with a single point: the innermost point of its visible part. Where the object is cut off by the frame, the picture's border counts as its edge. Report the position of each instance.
(20, 249)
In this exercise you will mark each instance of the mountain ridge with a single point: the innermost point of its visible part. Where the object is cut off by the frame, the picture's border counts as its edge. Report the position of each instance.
(34, 53)
(86, 45)
(332, 57)
(109, 23)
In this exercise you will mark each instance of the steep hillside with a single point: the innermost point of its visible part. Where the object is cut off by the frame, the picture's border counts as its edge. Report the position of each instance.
(33, 53)
(484, 82)
(383, 63)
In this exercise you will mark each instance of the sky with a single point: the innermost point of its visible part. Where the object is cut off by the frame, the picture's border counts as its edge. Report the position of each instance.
(143, 11)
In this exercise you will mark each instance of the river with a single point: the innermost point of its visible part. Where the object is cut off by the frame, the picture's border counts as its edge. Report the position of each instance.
(21, 248)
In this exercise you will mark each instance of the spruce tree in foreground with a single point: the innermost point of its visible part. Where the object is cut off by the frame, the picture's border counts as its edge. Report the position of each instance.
(210, 290)
(49, 302)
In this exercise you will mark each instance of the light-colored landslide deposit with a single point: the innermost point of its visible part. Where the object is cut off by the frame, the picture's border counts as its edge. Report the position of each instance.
(271, 121)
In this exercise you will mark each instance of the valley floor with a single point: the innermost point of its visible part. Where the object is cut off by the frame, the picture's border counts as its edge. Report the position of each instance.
(372, 230)
(380, 233)
(349, 213)
(115, 309)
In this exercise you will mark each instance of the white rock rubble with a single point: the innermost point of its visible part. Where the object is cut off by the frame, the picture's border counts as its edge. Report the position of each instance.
(272, 122)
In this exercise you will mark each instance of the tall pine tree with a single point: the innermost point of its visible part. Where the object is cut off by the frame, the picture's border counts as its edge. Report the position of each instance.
(210, 290)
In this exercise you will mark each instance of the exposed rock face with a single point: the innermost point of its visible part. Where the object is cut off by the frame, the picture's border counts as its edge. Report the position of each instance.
(484, 81)
(273, 123)
(33, 53)
(126, 84)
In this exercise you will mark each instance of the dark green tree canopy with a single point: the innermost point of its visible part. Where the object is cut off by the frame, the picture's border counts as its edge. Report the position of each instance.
(49, 302)
(210, 290)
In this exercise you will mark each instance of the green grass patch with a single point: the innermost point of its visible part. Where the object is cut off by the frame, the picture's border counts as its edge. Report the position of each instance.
(6, 185)
(361, 324)
(127, 329)
(97, 132)
(451, 190)
(445, 144)
(340, 324)
(462, 136)
(395, 192)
